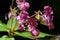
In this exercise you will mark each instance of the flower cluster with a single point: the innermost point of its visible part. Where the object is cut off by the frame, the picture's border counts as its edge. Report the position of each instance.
(22, 4)
(29, 23)
(25, 18)
(48, 17)
(32, 24)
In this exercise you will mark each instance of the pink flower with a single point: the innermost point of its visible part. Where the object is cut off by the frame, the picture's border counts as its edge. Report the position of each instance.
(35, 32)
(30, 28)
(18, 18)
(10, 15)
(18, 3)
(25, 6)
(22, 5)
(24, 15)
(48, 20)
(50, 26)
(21, 18)
(48, 10)
(32, 24)
(21, 27)
(48, 17)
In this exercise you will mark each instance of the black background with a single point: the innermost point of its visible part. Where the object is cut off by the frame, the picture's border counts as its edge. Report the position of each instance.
(36, 5)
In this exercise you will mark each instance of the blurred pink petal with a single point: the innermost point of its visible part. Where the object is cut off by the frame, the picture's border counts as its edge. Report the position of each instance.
(10, 15)
(48, 17)
(35, 32)
(21, 27)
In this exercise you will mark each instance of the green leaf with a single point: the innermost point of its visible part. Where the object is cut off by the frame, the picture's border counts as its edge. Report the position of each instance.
(16, 27)
(3, 27)
(28, 35)
(12, 23)
(15, 24)
(5, 37)
(9, 23)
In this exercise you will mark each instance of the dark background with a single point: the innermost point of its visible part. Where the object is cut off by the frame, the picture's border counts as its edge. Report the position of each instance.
(36, 5)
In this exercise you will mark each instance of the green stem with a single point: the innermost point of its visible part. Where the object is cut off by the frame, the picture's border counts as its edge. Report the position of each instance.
(36, 14)
(12, 3)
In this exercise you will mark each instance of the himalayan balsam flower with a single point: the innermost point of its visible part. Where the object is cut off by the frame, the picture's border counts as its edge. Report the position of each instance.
(48, 10)
(21, 27)
(25, 6)
(30, 28)
(22, 5)
(48, 17)
(18, 20)
(22, 17)
(35, 32)
(32, 24)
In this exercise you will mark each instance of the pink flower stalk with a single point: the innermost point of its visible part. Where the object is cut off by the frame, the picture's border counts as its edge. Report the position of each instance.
(32, 24)
(35, 32)
(48, 17)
